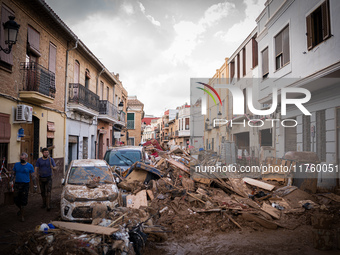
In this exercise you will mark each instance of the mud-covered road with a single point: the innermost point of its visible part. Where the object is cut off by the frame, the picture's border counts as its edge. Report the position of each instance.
(210, 240)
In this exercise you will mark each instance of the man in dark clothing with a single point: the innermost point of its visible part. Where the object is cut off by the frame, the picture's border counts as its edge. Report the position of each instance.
(44, 167)
(21, 173)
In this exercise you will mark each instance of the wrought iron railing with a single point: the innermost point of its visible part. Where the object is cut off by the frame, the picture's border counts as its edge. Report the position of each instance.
(107, 108)
(38, 78)
(80, 95)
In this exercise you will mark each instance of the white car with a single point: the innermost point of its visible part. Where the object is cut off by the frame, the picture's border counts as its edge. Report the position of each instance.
(87, 183)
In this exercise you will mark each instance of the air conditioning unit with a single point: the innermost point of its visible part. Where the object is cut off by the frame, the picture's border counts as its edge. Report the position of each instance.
(24, 113)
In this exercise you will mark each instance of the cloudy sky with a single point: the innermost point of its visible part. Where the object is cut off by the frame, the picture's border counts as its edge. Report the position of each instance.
(157, 46)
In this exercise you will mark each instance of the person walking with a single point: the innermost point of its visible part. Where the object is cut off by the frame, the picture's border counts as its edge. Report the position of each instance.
(44, 167)
(21, 174)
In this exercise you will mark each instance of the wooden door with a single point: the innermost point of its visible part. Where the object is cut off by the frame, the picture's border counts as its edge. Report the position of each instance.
(100, 147)
(27, 141)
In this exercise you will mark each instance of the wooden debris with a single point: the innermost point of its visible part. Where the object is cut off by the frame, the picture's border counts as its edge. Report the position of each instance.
(259, 184)
(138, 200)
(84, 227)
(178, 165)
(275, 213)
(238, 225)
(150, 194)
(332, 196)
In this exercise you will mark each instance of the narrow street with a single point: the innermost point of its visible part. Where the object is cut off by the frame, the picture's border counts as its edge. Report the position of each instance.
(208, 238)
(12, 228)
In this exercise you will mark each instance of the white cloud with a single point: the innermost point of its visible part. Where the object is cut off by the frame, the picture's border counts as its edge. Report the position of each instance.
(149, 17)
(238, 32)
(189, 34)
(127, 8)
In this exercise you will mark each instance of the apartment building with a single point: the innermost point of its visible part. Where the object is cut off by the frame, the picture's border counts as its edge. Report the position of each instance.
(53, 91)
(299, 48)
(135, 114)
(214, 136)
(32, 84)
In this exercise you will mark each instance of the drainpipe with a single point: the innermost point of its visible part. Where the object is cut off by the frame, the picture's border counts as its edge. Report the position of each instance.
(66, 98)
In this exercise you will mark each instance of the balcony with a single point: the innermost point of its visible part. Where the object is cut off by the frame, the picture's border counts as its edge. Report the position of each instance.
(166, 126)
(184, 133)
(109, 112)
(82, 100)
(38, 83)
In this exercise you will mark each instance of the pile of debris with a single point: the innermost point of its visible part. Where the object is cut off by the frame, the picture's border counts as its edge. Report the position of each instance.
(163, 199)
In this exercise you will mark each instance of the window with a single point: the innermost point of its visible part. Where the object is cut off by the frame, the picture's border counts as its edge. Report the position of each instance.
(318, 25)
(6, 60)
(101, 90)
(282, 48)
(244, 61)
(265, 66)
(321, 135)
(186, 123)
(52, 58)
(306, 135)
(254, 51)
(232, 69)
(130, 121)
(33, 41)
(76, 71)
(87, 78)
(107, 93)
(266, 137)
(238, 66)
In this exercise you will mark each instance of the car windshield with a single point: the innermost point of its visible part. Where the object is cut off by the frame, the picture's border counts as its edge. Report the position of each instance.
(86, 174)
(123, 157)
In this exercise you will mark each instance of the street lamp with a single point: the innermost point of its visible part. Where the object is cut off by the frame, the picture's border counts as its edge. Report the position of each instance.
(120, 106)
(11, 29)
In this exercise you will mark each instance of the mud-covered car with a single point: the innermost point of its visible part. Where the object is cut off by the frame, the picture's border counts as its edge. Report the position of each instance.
(87, 183)
(125, 156)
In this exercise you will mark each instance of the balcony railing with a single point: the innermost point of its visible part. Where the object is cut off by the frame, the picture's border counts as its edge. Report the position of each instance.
(37, 78)
(107, 108)
(80, 95)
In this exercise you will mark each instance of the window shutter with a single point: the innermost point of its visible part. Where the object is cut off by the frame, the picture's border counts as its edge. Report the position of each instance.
(130, 116)
(285, 41)
(238, 66)
(254, 52)
(278, 44)
(309, 32)
(326, 32)
(8, 58)
(52, 58)
(265, 67)
(76, 72)
(33, 38)
(232, 69)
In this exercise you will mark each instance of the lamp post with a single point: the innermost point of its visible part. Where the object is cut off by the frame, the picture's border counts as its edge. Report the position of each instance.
(120, 109)
(11, 29)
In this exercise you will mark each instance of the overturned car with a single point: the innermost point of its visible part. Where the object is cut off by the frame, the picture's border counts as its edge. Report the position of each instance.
(88, 183)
